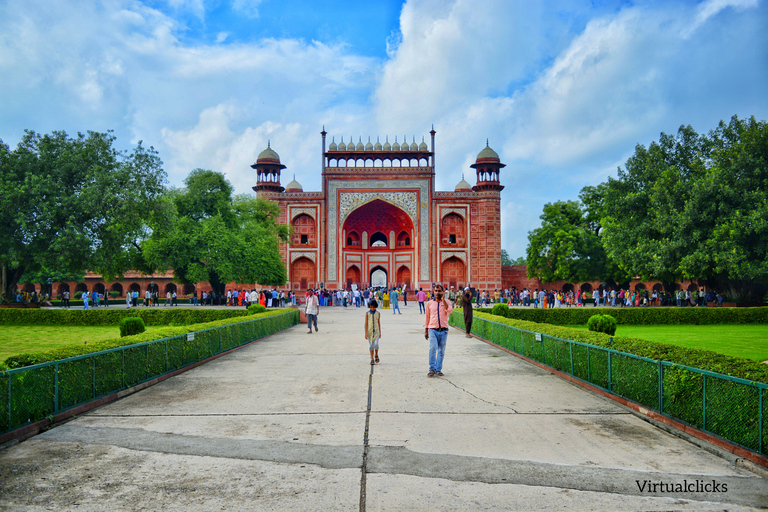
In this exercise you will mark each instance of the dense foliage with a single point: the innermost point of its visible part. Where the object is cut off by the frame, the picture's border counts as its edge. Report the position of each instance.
(205, 234)
(602, 323)
(687, 207)
(71, 204)
(131, 325)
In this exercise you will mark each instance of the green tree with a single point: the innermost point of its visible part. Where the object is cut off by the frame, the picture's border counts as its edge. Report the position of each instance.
(519, 261)
(70, 204)
(694, 207)
(566, 247)
(206, 234)
(505, 260)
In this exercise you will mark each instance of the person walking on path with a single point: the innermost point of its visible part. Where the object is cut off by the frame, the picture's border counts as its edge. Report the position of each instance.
(436, 329)
(466, 306)
(421, 296)
(313, 308)
(373, 330)
(85, 299)
(394, 297)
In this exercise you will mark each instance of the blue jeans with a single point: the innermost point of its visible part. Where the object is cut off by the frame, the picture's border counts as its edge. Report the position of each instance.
(437, 341)
(396, 306)
(421, 307)
(310, 320)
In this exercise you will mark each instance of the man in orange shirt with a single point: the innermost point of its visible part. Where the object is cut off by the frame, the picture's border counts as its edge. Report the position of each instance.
(436, 329)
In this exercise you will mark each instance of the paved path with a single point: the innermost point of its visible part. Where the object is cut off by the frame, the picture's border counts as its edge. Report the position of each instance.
(288, 423)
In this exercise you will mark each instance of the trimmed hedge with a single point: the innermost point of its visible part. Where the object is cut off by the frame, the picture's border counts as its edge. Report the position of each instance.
(602, 323)
(131, 325)
(31, 358)
(639, 316)
(697, 358)
(256, 308)
(105, 316)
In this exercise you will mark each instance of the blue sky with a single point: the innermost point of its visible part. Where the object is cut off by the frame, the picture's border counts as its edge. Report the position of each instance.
(564, 90)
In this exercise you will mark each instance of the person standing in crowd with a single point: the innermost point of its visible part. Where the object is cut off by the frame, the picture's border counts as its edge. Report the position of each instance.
(436, 329)
(65, 298)
(394, 298)
(421, 297)
(405, 295)
(173, 299)
(312, 309)
(466, 305)
(373, 330)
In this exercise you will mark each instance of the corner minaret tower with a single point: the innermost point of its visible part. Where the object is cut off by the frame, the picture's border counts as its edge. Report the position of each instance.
(268, 169)
(488, 167)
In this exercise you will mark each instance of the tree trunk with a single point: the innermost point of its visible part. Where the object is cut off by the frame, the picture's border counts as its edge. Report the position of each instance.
(10, 282)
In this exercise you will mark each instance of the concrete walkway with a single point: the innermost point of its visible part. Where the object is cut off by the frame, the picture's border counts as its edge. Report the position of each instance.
(288, 423)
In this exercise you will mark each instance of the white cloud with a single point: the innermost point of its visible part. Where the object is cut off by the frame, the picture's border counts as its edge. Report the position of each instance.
(249, 8)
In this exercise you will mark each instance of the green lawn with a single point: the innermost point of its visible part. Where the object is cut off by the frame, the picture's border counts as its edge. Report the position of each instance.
(749, 341)
(15, 339)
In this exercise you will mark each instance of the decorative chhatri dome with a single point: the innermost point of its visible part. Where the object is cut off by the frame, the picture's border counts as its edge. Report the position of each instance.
(414, 147)
(423, 145)
(268, 156)
(360, 144)
(377, 147)
(333, 146)
(487, 154)
(395, 146)
(342, 146)
(369, 146)
(463, 185)
(294, 186)
(387, 145)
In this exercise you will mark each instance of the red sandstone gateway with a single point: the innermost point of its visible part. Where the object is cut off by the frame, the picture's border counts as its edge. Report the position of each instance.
(379, 220)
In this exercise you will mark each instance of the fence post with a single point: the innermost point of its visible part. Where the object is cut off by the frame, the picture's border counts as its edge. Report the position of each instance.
(760, 425)
(610, 371)
(55, 389)
(10, 415)
(167, 362)
(589, 366)
(122, 353)
(93, 370)
(704, 404)
(570, 345)
(661, 387)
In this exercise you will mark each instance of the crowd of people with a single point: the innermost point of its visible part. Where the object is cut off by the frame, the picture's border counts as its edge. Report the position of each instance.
(543, 298)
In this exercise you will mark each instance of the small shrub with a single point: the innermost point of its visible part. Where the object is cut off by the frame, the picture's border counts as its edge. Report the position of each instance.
(256, 308)
(500, 310)
(78, 295)
(602, 323)
(114, 294)
(131, 325)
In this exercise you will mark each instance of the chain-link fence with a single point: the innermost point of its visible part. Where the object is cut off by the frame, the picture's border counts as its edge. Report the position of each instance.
(32, 393)
(732, 408)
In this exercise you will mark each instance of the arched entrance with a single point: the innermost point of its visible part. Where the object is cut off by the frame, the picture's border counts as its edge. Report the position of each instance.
(404, 276)
(386, 250)
(303, 273)
(353, 276)
(378, 277)
(454, 272)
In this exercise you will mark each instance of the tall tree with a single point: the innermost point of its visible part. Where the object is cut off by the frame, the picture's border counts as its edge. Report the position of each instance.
(206, 234)
(566, 247)
(694, 207)
(505, 259)
(70, 204)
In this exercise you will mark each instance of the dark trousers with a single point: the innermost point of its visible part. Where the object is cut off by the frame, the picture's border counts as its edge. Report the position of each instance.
(468, 325)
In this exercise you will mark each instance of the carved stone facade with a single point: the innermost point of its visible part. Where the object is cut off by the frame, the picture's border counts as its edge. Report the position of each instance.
(379, 214)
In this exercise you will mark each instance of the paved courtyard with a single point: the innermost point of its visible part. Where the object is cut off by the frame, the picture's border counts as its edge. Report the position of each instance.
(303, 422)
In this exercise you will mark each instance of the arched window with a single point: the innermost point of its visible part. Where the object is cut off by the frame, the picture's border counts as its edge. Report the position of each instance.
(379, 239)
(353, 239)
(453, 232)
(403, 240)
(304, 232)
